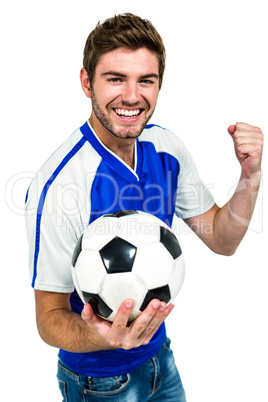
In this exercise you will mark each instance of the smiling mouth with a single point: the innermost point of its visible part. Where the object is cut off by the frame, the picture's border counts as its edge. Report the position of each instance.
(128, 113)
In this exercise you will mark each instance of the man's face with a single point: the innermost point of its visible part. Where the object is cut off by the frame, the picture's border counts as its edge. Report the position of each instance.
(124, 92)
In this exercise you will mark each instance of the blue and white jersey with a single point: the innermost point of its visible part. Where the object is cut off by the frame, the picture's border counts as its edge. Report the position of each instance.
(83, 180)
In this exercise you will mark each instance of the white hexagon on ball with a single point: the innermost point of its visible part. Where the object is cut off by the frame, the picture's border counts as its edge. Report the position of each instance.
(121, 286)
(153, 265)
(99, 233)
(90, 271)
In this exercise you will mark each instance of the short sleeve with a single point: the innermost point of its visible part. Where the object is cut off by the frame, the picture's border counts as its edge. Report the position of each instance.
(51, 241)
(193, 195)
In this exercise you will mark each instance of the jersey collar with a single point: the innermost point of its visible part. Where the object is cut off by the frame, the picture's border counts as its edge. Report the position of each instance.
(111, 158)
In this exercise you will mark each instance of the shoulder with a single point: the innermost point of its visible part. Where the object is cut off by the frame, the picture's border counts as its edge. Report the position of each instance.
(65, 164)
(165, 141)
(64, 154)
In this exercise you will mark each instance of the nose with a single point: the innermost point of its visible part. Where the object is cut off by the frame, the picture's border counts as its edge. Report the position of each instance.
(130, 95)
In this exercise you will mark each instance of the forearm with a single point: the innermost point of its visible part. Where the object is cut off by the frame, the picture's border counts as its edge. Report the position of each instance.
(60, 327)
(66, 330)
(222, 229)
(232, 220)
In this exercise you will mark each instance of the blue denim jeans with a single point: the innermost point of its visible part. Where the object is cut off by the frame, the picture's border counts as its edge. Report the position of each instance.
(156, 380)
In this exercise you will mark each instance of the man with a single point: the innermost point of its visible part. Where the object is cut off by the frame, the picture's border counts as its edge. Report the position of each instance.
(117, 161)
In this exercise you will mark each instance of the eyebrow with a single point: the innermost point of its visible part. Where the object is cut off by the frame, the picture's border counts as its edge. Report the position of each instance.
(152, 75)
(117, 74)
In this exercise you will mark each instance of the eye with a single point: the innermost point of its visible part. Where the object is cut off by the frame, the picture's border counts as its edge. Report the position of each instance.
(148, 82)
(115, 80)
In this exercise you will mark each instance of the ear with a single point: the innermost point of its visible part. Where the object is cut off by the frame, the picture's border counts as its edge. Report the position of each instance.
(85, 82)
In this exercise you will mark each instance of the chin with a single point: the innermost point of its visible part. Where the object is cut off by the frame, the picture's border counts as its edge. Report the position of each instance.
(128, 134)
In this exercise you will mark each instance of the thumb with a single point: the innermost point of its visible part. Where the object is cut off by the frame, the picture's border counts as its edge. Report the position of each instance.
(98, 324)
(93, 320)
(87, 313)
(231, 129)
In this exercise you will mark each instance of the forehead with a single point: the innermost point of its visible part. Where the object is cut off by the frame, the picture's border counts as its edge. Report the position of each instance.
(142, 61)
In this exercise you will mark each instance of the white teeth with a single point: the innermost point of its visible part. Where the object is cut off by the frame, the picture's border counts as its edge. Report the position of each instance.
(128, 113)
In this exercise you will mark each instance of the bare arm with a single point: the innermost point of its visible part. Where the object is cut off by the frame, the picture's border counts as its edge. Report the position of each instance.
(222, 229)
(60, 327)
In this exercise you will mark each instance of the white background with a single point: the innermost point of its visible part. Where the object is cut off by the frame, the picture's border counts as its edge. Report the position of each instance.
(216, 75)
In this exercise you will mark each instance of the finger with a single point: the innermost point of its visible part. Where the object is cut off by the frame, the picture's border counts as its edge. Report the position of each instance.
(87, 313)
(119, 330)
(245, 150)
(121, 319)
(246, 127)
(244, 138)
(231, 129)
(247, 137)
(142, 322)
(162, 313)
(138, 326)
(243, 127)
(90, 318)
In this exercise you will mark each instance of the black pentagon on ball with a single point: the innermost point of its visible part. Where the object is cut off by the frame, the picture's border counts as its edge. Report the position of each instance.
(118, 214)
(169, 240)
(77, 251)
(118, 256)
(98, 305)
(162, 294)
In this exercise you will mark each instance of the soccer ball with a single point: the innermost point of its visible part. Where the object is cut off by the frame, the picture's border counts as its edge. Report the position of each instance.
(127, 254)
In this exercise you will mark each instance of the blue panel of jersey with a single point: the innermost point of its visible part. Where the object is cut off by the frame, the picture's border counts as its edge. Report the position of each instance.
(154, 192)
(116, 187)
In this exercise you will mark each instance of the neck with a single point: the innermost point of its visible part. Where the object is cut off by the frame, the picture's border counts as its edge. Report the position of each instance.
(122, 147)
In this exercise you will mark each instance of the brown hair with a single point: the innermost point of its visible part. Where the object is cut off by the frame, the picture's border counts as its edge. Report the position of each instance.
(123, 30)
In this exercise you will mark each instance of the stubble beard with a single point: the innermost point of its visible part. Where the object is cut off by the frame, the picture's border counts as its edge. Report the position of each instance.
(107, 123)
